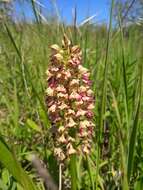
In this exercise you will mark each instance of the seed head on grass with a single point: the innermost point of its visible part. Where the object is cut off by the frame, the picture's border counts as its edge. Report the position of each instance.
(70, 101)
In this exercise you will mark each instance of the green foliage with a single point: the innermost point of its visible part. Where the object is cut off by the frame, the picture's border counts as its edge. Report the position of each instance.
(10, 162)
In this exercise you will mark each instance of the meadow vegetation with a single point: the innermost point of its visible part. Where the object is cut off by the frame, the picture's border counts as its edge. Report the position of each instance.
(114, 55)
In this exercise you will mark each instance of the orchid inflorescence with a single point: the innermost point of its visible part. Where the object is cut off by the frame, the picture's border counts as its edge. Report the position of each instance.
(70, 101)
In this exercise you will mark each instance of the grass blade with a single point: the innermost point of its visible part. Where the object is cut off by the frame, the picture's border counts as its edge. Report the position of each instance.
(10, 162)
(104, 91)
(133, 136)
(122, 149)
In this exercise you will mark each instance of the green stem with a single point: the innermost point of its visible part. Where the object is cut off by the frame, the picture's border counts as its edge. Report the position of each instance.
(60, 177)
(90, 173)
(73, 172)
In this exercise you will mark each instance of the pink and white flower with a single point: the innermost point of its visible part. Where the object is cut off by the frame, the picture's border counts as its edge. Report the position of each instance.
(70, 101)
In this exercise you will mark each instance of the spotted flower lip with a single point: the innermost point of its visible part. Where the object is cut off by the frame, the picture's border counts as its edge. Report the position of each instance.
(85, 98)
(69, 100)
(82, 70)
(74, 82)
(61, 88)
(59, 153)
(90, 106)
(86, 149)
(90, 92)
(54, 69)
(74, 95)
(80, 113)
(70, 139)
(61, 129)
(71, 123)
(86, 76)
(82, 89)
(63, 106)
(52, 108)
(70, 149)
(84, 123)
(83, 133)
(79, 103)
(66, 74)
(70, 112)
(59, 57)
(49, 91)
(55, 47)
(62, 139)
(62, 95)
